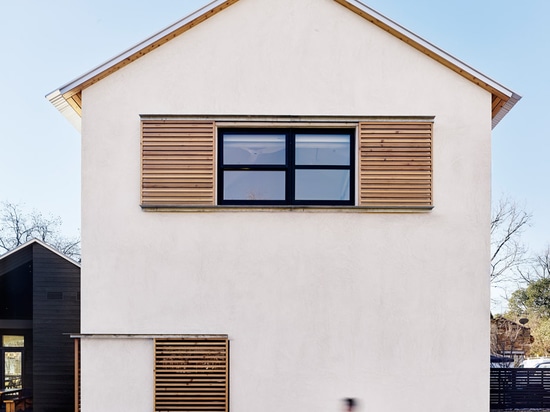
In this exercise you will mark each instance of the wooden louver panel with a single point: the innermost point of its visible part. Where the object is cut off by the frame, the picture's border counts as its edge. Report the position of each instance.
(77, 376)
(177, 163)
(395, 164)
(191, 375)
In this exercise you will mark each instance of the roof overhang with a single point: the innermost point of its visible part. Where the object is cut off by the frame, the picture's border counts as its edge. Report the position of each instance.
(68, 98)
(503, 98)
(44, 245)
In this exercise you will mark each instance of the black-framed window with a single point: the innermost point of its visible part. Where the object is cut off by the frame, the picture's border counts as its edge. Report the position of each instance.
(12, 351)
(286, 166)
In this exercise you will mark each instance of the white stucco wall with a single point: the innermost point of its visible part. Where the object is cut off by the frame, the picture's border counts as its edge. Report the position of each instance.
(390, 308)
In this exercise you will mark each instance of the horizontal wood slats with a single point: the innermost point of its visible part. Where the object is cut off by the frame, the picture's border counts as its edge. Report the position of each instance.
(395, 164)
(177, 163)
(191, 375)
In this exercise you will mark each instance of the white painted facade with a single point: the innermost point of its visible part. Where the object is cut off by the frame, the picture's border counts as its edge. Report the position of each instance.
(390, 308)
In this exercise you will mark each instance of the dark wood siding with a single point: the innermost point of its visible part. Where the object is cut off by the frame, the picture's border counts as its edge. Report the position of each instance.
(16, 293)
(56, 297)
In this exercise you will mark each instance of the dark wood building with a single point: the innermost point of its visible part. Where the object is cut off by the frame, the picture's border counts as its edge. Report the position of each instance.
(39, 308)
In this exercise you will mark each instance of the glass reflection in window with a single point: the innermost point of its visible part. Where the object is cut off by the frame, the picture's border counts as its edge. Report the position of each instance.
(254, 149)
(322, 184)
(322, 149)
(253, 185)
(13, 362)
(10, 341)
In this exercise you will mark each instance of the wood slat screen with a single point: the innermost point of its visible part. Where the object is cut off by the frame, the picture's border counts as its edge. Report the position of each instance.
(191, 375)
(77, 376)
(395, 163)
(177, 163)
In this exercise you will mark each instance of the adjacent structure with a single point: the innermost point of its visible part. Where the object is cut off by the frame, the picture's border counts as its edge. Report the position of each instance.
(39, 309)
(510, 339)
(285, 203)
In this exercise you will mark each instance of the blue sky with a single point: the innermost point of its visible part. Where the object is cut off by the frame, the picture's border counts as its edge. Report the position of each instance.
(49, 43)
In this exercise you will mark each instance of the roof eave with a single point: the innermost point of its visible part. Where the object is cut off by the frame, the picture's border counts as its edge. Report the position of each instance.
(505, 109)
(67, 99)
(496, 89)
(64, 97)
(166, 34)
(68, 111)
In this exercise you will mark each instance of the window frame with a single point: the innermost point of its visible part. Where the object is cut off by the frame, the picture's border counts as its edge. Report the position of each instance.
(4, 349)
(289, 167)
(393, 161)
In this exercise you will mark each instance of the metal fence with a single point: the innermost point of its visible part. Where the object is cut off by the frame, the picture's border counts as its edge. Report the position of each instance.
(520, 388)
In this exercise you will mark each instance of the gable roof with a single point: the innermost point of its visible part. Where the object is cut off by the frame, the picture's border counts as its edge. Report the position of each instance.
(68, 98)
(41, 243)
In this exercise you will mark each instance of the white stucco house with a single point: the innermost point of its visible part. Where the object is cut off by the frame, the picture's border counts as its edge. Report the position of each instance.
(285, 203)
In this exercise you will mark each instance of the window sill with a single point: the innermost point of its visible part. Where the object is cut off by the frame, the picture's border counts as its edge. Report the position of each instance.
(286, 208)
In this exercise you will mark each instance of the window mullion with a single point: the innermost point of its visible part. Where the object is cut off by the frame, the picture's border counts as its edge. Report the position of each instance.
(290, 161)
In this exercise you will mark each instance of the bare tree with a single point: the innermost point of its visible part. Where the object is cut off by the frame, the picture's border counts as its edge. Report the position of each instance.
(541, 265)
(507, 252)
(18, 227)
(537, 268)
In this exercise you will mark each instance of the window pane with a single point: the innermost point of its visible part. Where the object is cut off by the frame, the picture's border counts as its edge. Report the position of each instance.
(323, 149)
(254, 149)
(12, 370)
(13, 341)
(254, 185)
(318, 184)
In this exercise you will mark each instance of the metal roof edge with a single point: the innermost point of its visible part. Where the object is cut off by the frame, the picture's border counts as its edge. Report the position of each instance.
(59, 102)
(43, 244)
(139, 46)
(59, 98)
(430, 47)
(505, 109)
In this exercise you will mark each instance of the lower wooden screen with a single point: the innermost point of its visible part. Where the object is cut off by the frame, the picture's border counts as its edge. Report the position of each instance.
(191, 374)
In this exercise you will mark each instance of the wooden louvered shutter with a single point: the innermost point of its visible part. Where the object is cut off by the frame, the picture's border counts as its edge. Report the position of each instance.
(191, 374)
(395, 164)
(177, 163)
